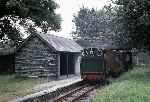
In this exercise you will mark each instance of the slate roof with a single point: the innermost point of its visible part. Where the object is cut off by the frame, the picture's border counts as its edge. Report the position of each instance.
(61, 44)
(96, 44)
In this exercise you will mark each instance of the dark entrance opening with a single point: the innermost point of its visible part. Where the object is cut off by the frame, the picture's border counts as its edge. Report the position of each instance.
(66, 64)
(71, 64)
(7, 64)
(63, 64)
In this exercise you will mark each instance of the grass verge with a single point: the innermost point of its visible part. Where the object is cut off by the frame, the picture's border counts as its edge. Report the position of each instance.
(132, 86)
(12, 87)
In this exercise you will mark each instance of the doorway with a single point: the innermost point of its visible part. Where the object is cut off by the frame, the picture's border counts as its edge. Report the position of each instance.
(67, 64)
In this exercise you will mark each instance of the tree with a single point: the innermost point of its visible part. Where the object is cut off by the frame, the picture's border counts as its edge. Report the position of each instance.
(93, 25)
(118, 27)
(89, 23)
(135, 22)
(40, 12)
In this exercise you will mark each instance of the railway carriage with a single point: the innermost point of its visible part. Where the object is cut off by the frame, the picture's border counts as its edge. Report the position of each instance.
(114, 64)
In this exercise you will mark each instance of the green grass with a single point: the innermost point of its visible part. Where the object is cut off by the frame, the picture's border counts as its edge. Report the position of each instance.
(132, 86)
(12, 87)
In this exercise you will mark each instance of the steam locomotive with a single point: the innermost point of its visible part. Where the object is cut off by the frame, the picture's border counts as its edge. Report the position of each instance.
(98, 64)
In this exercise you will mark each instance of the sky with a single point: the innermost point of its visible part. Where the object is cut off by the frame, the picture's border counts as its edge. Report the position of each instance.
(68, 8)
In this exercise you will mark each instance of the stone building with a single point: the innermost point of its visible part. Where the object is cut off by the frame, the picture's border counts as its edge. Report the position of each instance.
(47, 55)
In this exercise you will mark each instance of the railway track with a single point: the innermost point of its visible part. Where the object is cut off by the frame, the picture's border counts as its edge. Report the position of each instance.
(75, 94)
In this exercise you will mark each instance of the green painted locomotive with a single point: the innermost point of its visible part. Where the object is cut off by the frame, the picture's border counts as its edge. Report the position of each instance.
(93, 65)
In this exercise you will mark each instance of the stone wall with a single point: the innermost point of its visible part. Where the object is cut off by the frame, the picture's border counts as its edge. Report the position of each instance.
(35, 59)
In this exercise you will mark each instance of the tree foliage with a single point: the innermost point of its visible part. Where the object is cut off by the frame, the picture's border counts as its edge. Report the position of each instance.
(127, 23)
(93, 26)
(87, 23)
(91, 23)
(119, 27)
(40, 12)
(135, 21)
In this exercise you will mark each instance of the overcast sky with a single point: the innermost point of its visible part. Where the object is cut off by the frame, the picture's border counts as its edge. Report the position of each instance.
(70, 7)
